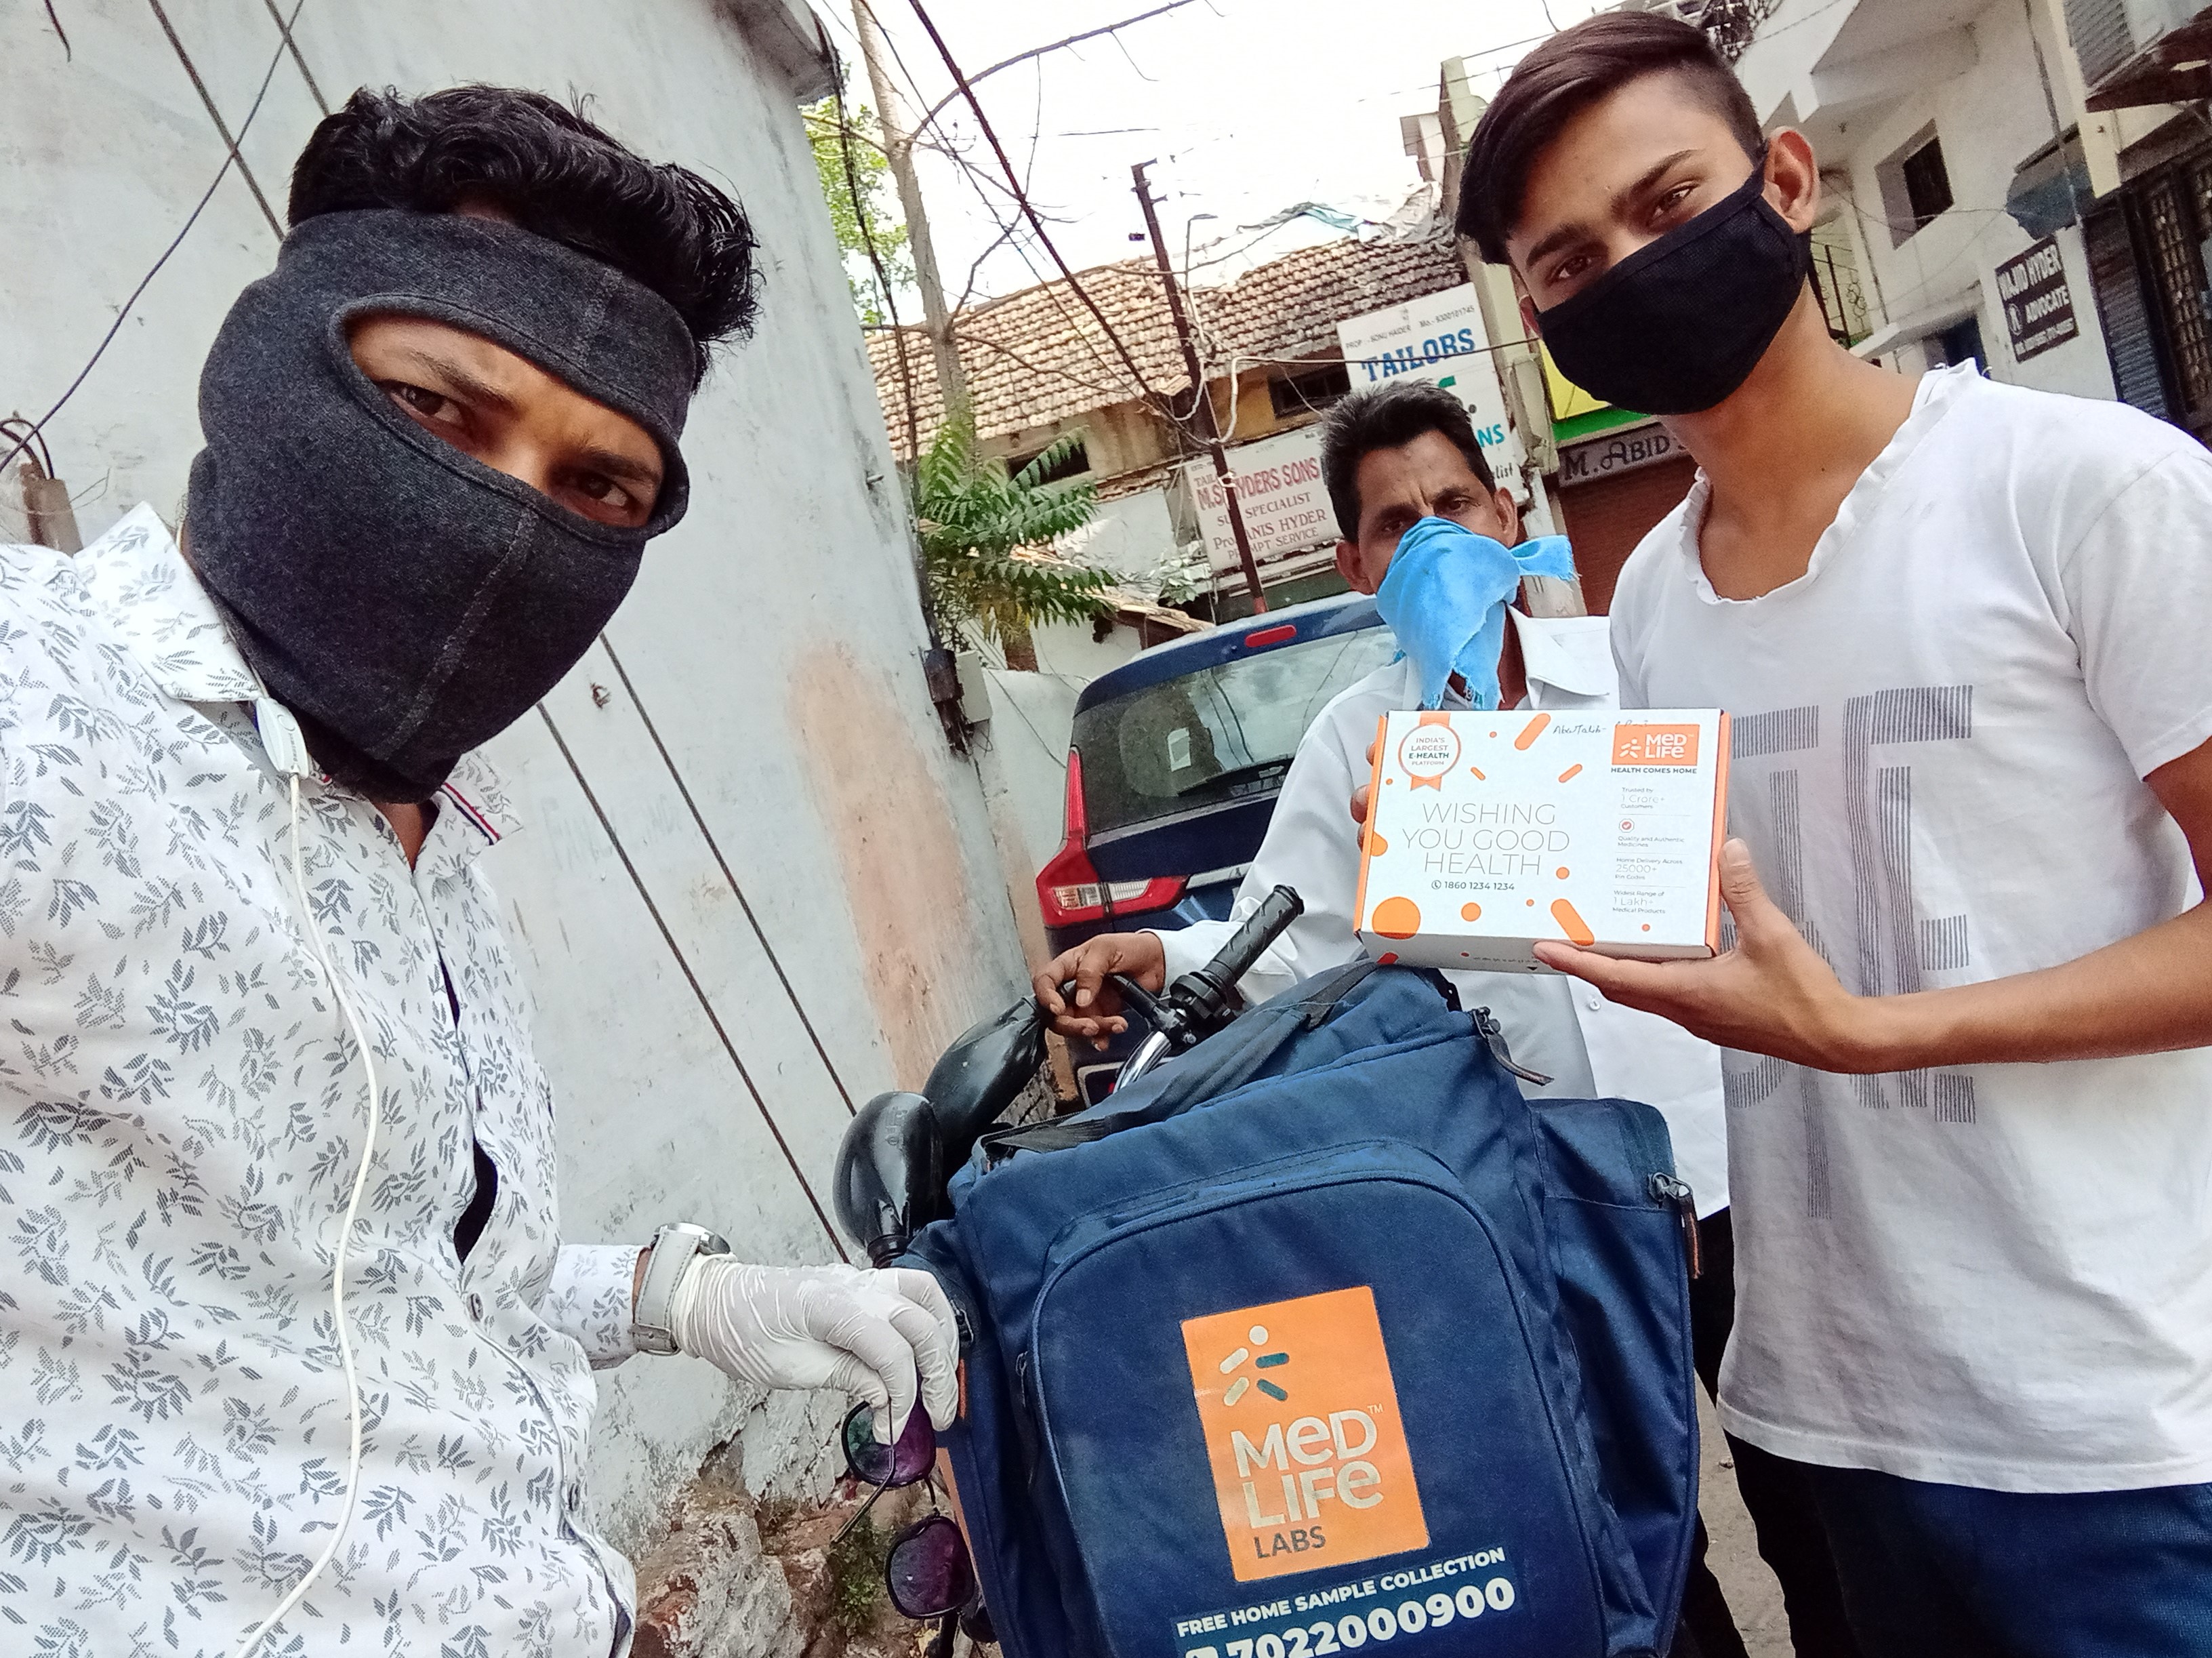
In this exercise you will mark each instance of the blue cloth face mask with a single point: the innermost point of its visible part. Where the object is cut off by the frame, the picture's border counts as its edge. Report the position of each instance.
(1445, 598)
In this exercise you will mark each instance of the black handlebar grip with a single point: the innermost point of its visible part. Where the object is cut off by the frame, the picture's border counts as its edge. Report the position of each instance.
(1249, 941)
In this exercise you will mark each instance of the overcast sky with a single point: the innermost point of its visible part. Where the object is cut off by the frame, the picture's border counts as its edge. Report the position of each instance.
(1247, 106)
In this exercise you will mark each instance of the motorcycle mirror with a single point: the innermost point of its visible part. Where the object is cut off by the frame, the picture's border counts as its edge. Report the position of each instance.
(981, 1073)
(889, 1179)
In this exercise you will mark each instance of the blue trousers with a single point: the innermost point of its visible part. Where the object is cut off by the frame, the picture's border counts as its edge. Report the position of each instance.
(1947, 1571)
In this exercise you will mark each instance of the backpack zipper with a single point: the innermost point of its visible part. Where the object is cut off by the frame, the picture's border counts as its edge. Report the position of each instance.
(1493, 1037)
(1676, 1194)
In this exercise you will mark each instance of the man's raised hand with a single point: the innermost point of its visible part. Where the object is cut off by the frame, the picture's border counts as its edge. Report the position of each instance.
(1094, 1011)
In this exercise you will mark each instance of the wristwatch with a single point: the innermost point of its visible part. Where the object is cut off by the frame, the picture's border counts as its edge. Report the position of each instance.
(673, 1246)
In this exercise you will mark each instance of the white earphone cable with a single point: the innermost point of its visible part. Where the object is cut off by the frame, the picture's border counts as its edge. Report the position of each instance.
(345, 1237)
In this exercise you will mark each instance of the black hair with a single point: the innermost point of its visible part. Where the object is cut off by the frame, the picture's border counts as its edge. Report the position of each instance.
(1564, 77)
(556, 174)
(1389, 418)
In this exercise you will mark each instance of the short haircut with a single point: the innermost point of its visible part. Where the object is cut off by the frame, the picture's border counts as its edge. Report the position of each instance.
(556, 174)
(1389, 418)
(1563, 77)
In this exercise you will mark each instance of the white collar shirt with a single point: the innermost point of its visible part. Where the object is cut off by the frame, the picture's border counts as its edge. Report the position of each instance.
(1588, 1046)
(186, 1112)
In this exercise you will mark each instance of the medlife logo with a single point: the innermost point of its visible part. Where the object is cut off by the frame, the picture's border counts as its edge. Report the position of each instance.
(1309, 1453)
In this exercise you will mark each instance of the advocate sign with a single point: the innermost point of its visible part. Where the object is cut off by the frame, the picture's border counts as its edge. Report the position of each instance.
(2039, 306)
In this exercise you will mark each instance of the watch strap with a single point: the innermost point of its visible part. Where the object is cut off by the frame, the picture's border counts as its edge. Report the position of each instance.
(652, 1329)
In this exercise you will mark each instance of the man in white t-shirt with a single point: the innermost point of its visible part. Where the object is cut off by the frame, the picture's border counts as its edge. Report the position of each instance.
(1391, 457)
(1960, 628)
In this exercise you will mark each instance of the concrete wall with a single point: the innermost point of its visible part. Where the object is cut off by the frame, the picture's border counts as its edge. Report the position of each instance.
(1990, 117)
(1866, 79)
(1132, 536)
(713, 989)
(1031, 717)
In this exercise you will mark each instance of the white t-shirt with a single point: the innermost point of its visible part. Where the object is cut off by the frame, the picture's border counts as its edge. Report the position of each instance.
(1997, 1275)
(1590, 1047)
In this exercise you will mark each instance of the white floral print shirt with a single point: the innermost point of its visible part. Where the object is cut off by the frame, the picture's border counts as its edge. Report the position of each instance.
(181, 1113)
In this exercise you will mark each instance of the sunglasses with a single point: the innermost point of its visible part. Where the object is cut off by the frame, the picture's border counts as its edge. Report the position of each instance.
(928, 1571)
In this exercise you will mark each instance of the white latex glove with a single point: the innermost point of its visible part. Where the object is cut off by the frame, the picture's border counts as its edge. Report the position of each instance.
(871, 1334)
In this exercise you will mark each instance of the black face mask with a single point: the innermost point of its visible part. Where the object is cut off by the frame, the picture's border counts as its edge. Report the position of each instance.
(405, 601)
(1677, 325)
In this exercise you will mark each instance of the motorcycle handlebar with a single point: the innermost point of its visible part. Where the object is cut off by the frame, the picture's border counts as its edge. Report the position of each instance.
(1251, 940)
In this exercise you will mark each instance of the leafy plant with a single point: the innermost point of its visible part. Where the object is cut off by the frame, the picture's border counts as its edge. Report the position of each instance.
(869, 216)
(1181, 576)
(977, 523)
(856, 1575)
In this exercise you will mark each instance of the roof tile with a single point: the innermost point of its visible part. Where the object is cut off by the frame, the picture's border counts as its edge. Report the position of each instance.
(1038, 357)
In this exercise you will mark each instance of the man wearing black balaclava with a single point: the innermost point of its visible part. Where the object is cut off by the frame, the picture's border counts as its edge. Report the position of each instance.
(292, 1358)
(1960, 628)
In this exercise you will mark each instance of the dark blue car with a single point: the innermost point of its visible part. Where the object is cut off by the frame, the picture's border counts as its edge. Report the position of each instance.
(1173, 770)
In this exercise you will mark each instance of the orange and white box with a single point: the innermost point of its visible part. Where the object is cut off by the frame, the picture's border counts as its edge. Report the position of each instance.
(1489, 832)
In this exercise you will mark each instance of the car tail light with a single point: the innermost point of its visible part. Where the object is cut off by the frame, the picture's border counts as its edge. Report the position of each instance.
(1068, 887)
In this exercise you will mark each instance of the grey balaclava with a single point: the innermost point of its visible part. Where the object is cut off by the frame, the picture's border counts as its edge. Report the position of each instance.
(405, 601)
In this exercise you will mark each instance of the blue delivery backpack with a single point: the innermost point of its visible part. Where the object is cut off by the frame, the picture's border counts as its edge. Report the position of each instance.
(1323, 1337)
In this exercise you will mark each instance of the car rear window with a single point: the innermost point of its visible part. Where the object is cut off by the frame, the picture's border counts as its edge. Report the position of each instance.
(1216, 735)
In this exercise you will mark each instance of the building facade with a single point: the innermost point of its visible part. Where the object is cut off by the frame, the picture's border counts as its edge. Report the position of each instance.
(1279, 345)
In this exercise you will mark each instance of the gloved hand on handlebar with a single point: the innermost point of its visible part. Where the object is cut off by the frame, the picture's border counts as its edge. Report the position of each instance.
(1095, 1013)
(884, 1337)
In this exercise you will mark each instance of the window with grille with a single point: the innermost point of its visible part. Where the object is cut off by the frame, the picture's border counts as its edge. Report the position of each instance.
(1916, 186)
(1926, 185)
(1305, 394)
(2178, 273)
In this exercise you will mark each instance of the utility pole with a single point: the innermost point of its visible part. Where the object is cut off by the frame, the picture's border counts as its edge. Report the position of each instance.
(898, 150)
(1209, 430)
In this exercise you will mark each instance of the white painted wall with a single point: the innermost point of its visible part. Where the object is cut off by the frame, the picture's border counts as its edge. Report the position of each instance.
(773, 638)
(1990, 119)
(1988, 107)
(1031, 717)
(1132, 536)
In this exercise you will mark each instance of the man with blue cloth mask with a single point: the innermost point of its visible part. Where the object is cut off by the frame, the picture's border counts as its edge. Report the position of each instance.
(1428, 532)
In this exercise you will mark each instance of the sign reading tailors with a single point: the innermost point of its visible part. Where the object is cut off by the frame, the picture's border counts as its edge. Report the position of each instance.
(1279, 485)
(2038, 306)
(1438, 337)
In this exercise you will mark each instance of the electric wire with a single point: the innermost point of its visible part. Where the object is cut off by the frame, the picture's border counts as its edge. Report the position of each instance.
(207, 99)
(338, 1254)
(17, 423)
(875, 257)
(298, 57)
(698, 990)
(722, 863)
(937, 108)
(1037, 223)
(123, 315)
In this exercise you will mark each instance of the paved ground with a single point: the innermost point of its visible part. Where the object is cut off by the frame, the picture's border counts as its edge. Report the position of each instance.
(1753, 1594)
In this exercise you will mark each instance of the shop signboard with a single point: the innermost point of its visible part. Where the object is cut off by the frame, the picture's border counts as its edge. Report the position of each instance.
(1277, 481)
(2039, 306)
(1438, 337)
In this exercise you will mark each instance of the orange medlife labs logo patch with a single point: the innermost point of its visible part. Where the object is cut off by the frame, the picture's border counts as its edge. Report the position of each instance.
(1303, 1433)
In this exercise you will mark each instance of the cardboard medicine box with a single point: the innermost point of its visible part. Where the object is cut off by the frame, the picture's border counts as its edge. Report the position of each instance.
(1490, 831)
